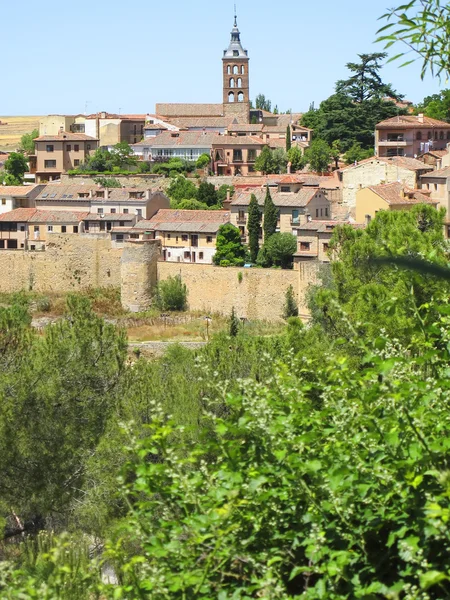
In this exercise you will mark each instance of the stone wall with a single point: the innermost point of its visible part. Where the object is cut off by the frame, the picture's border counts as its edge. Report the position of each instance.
(142, 181)
(69, 263)
(139, 264)
(259, 295)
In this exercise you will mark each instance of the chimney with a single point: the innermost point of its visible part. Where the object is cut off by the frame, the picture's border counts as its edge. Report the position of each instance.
(90, 194)
(147, 194)
(103, 115)
(289, 165)
(420, 117)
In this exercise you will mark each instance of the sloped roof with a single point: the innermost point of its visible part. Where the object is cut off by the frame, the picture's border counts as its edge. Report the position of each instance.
(412, 122)
(236, 140)
(66, 136)
(207, 221)
(17, 215)
(189, 110)
(392, 194)
(18, 190)
(56, 216)
(281, 199)
(441, 173)
(180, 139)
(200, 122)
(109, 217)
(412, 164)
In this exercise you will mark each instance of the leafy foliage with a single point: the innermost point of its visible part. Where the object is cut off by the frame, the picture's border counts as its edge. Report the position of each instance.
(318, 155)
(253, 228)
(365, 83)
(229, 246)
(181, 188)
(27, 145)
(270, 216)
(15, 166)
(234, 323)
(108, 182)
(171, 294)
(436, 106)
(203, 161)
(207, 194)
(355, 153)
(290, 308)
(280, 249)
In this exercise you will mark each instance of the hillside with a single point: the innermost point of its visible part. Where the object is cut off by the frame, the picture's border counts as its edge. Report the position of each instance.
(13, 130)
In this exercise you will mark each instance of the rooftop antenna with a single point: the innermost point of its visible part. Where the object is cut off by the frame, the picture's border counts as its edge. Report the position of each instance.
(86, 106)
(120, 108)
(235, 16)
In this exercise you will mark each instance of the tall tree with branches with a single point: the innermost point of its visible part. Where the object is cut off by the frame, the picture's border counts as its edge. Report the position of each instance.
(253, 227)
(270, 216)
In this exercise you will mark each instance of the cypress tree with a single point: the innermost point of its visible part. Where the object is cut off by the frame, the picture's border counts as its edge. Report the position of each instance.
(288, 138)
(270, 216)
(253, 226)
(234, 323)
(290, 308)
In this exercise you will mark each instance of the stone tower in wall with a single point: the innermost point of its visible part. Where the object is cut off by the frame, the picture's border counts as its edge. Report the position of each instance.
(236, 92)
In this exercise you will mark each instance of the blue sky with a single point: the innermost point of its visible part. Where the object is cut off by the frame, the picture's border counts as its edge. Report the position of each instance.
(124, 56)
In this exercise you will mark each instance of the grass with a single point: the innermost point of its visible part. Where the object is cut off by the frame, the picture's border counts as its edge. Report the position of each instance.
(14, 129)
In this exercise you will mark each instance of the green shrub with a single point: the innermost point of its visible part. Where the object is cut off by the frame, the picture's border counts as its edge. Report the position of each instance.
(225, 263)
(171, 294)
(240, 276)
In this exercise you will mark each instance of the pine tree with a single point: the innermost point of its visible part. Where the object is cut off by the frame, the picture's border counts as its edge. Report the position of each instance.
(270, 216)
(290, 308)
(234, 323)
(253, 227)
(288, 138)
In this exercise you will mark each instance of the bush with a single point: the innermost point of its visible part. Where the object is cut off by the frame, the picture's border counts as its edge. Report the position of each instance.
(225, 263)
(290, 308)
(171, 294)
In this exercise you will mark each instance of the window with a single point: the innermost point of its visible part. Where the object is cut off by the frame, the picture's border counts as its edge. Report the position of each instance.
(229, 70)
(240, 97)
(63, 229)
(184, 238)
(187, 255)
(76, 147)
(242, 70)
(100, 194)
(419, 135)
(241, 215)
(3, 201)
(121, 223)
(235, 70)
(88, 146)
(49, 228)
(435, 135)
(236, 53)
(317, 212)
(295, 216)
(239, 82)
(69, 147)
(208, 239)
(231, 97)
(231, 83)
(125, 211)
(305, 246)
(435, 187)
(448, 135)
(36, 229)
(22, 228)
(76, 162)
(325, 247)
(251, 155)
(237, 155)
(326, 212)
(139, 212)
(200, 255)
(113, 210)
(99, 211)
(75, 228)
(49, 147)
(119, 237)
(134, 236)
(168, 236)
(285, 188)
(441, 135)
(32, 247)
(50, 164)
(395, 137)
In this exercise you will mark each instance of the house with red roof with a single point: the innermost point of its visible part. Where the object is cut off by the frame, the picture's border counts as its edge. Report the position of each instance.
(410, 135)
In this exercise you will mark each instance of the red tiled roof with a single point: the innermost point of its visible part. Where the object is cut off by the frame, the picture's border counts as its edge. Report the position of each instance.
(441, 173)
(190, 110)
(66, 136)
(281, 199)
(56, 216)
(16, 190)
(392, 194)
(411, 164)
(411, 122)
(18, 215)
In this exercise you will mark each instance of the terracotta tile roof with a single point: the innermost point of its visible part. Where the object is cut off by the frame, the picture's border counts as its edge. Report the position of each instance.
(18, 190)
(56, 216)
(200, 122)
(190, 110)
(392, 194)
(322, 181)
(246, 127)
(154, 126)
(294, 199)
(69, 193)
(441, 173)
(411, 164)
(234, 140)
(66, 136)
(288, 119)
(411, 122)
(117, 116)
(179, 139)
(325, 226)
(207, 221)
(17, 215)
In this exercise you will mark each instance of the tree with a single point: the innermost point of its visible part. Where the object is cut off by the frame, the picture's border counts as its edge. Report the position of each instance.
(262, 103)
(270, 216)
(290, 308)
(336, 151)
(16, 165)
(234, 324)
(318, 156)
(108, 182)
(171, 294)
(356, 154)
(279, 160)
(297, 159)
(288, 138)
(253, 228)
(203, 161)
(280, 249)
(27, 142)
(436, 106)
(422, 26)
(229, 246)
(122, 155)
(366, 83)
(207, 194)
(189, 204)
(264, 161)
(181, 188)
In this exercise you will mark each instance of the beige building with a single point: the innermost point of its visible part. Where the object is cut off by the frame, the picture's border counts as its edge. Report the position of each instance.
(233, 155)
(378, 170)
(30, 229)
(18, 196)
(410, 135)
(142, 203)
(57, 154)
(53, 124)
(391, 196)
(295, 204)
(186, 235)
(313, 240)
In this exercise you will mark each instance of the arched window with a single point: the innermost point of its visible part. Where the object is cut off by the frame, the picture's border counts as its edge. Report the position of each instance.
(441, 135)
(419, 135)
(429, 135)
(239, 82)
(435, 135)
(240, 97)
(242, 70)
(235, 70)
(231, 83)
(229, 70)
(448, 135)
(231, 97)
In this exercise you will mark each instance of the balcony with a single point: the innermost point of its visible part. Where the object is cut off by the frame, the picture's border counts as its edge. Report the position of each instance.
(242, 220)
(395, 144)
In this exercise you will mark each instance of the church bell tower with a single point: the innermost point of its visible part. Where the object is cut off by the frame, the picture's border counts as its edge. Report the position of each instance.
(236, 92)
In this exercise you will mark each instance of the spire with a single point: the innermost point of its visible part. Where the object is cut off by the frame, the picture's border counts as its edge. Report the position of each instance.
(235, 49)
